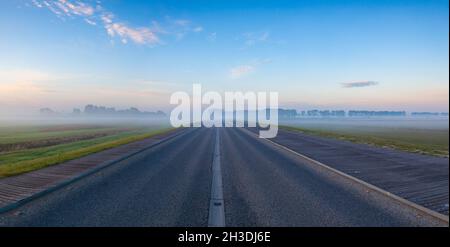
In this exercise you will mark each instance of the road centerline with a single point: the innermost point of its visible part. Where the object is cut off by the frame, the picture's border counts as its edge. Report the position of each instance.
(216, 216)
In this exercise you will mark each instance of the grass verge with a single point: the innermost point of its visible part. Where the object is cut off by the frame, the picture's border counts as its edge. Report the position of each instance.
(77, 150)
(408, 141)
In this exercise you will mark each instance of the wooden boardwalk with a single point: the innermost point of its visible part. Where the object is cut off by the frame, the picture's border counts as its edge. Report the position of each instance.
(16, 189)
(421, 179)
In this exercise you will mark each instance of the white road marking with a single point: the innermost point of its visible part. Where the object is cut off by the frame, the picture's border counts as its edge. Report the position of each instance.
(216, 205)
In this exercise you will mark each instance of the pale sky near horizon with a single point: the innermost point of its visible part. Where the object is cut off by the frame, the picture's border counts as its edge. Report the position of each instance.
(374, 55)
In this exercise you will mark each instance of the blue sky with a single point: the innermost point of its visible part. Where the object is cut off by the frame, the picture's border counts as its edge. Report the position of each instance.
(316, 54)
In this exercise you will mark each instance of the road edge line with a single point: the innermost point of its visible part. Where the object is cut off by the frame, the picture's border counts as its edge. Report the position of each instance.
(82, 175)
(372, 187)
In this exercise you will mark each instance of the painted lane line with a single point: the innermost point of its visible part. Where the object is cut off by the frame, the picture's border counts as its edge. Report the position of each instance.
(216, 216)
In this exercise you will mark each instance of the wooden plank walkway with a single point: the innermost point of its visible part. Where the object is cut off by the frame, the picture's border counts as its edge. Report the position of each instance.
(421, 179)
(18, 188)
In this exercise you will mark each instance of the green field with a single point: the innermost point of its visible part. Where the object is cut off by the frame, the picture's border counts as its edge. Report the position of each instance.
(415, 140)
(27, 148)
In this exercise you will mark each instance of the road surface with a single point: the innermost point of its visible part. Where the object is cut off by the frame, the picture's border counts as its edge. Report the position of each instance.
(170, 185)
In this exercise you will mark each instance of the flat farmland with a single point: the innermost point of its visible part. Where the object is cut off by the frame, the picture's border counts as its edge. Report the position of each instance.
(26, 148)
(425, 136)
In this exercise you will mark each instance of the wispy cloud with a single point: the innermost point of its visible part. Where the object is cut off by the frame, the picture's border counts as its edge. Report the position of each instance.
(252, 38)
(77, 8)
(94, 15)
(212, 37)
(359, 84)
(181, 22)
(198, 29)
(242, 70)
(137, 35)
(36, 3)
(90, 22)
(64, 8)
(179, 28)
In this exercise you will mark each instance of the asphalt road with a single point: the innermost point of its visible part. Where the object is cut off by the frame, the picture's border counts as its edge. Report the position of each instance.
(170, 185)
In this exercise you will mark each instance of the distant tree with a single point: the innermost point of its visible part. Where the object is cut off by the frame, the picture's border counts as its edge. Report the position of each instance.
(111, 111)
(46, 111)
(76, 111)
(287, 113)
(376, 113)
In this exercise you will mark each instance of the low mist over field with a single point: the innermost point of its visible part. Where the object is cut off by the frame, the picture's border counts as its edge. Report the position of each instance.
(70, 120)
(438, 122)
(418, 134)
